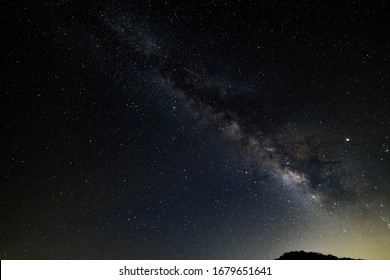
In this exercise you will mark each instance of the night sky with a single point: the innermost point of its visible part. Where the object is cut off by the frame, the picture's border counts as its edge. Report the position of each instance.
(179, 130)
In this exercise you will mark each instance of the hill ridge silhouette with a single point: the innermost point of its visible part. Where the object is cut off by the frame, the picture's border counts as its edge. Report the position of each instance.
(302, 255)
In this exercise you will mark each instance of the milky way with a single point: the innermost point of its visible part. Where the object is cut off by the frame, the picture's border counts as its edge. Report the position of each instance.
(195, 131)
(284, 158)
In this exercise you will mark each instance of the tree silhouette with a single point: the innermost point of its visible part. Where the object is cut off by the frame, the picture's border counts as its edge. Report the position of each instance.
(301, 255)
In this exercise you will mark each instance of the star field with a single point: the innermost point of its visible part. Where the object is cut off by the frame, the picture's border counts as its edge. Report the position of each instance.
(175, 130)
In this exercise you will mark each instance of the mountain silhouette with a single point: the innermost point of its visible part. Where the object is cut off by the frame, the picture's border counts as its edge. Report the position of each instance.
(301, 255)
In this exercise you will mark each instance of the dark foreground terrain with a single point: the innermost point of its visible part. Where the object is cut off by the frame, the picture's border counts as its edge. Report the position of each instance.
(301, 255)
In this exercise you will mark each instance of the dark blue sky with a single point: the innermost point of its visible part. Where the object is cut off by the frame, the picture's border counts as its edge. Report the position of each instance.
(143, 130)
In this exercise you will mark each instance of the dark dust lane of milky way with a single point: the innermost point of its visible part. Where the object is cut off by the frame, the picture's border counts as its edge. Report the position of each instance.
(179, 130)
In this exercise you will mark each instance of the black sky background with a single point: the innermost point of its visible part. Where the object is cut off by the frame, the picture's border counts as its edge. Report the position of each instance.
(152, 130)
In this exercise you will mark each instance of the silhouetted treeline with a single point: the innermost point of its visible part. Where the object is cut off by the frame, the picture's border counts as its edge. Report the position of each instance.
(301, 255)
